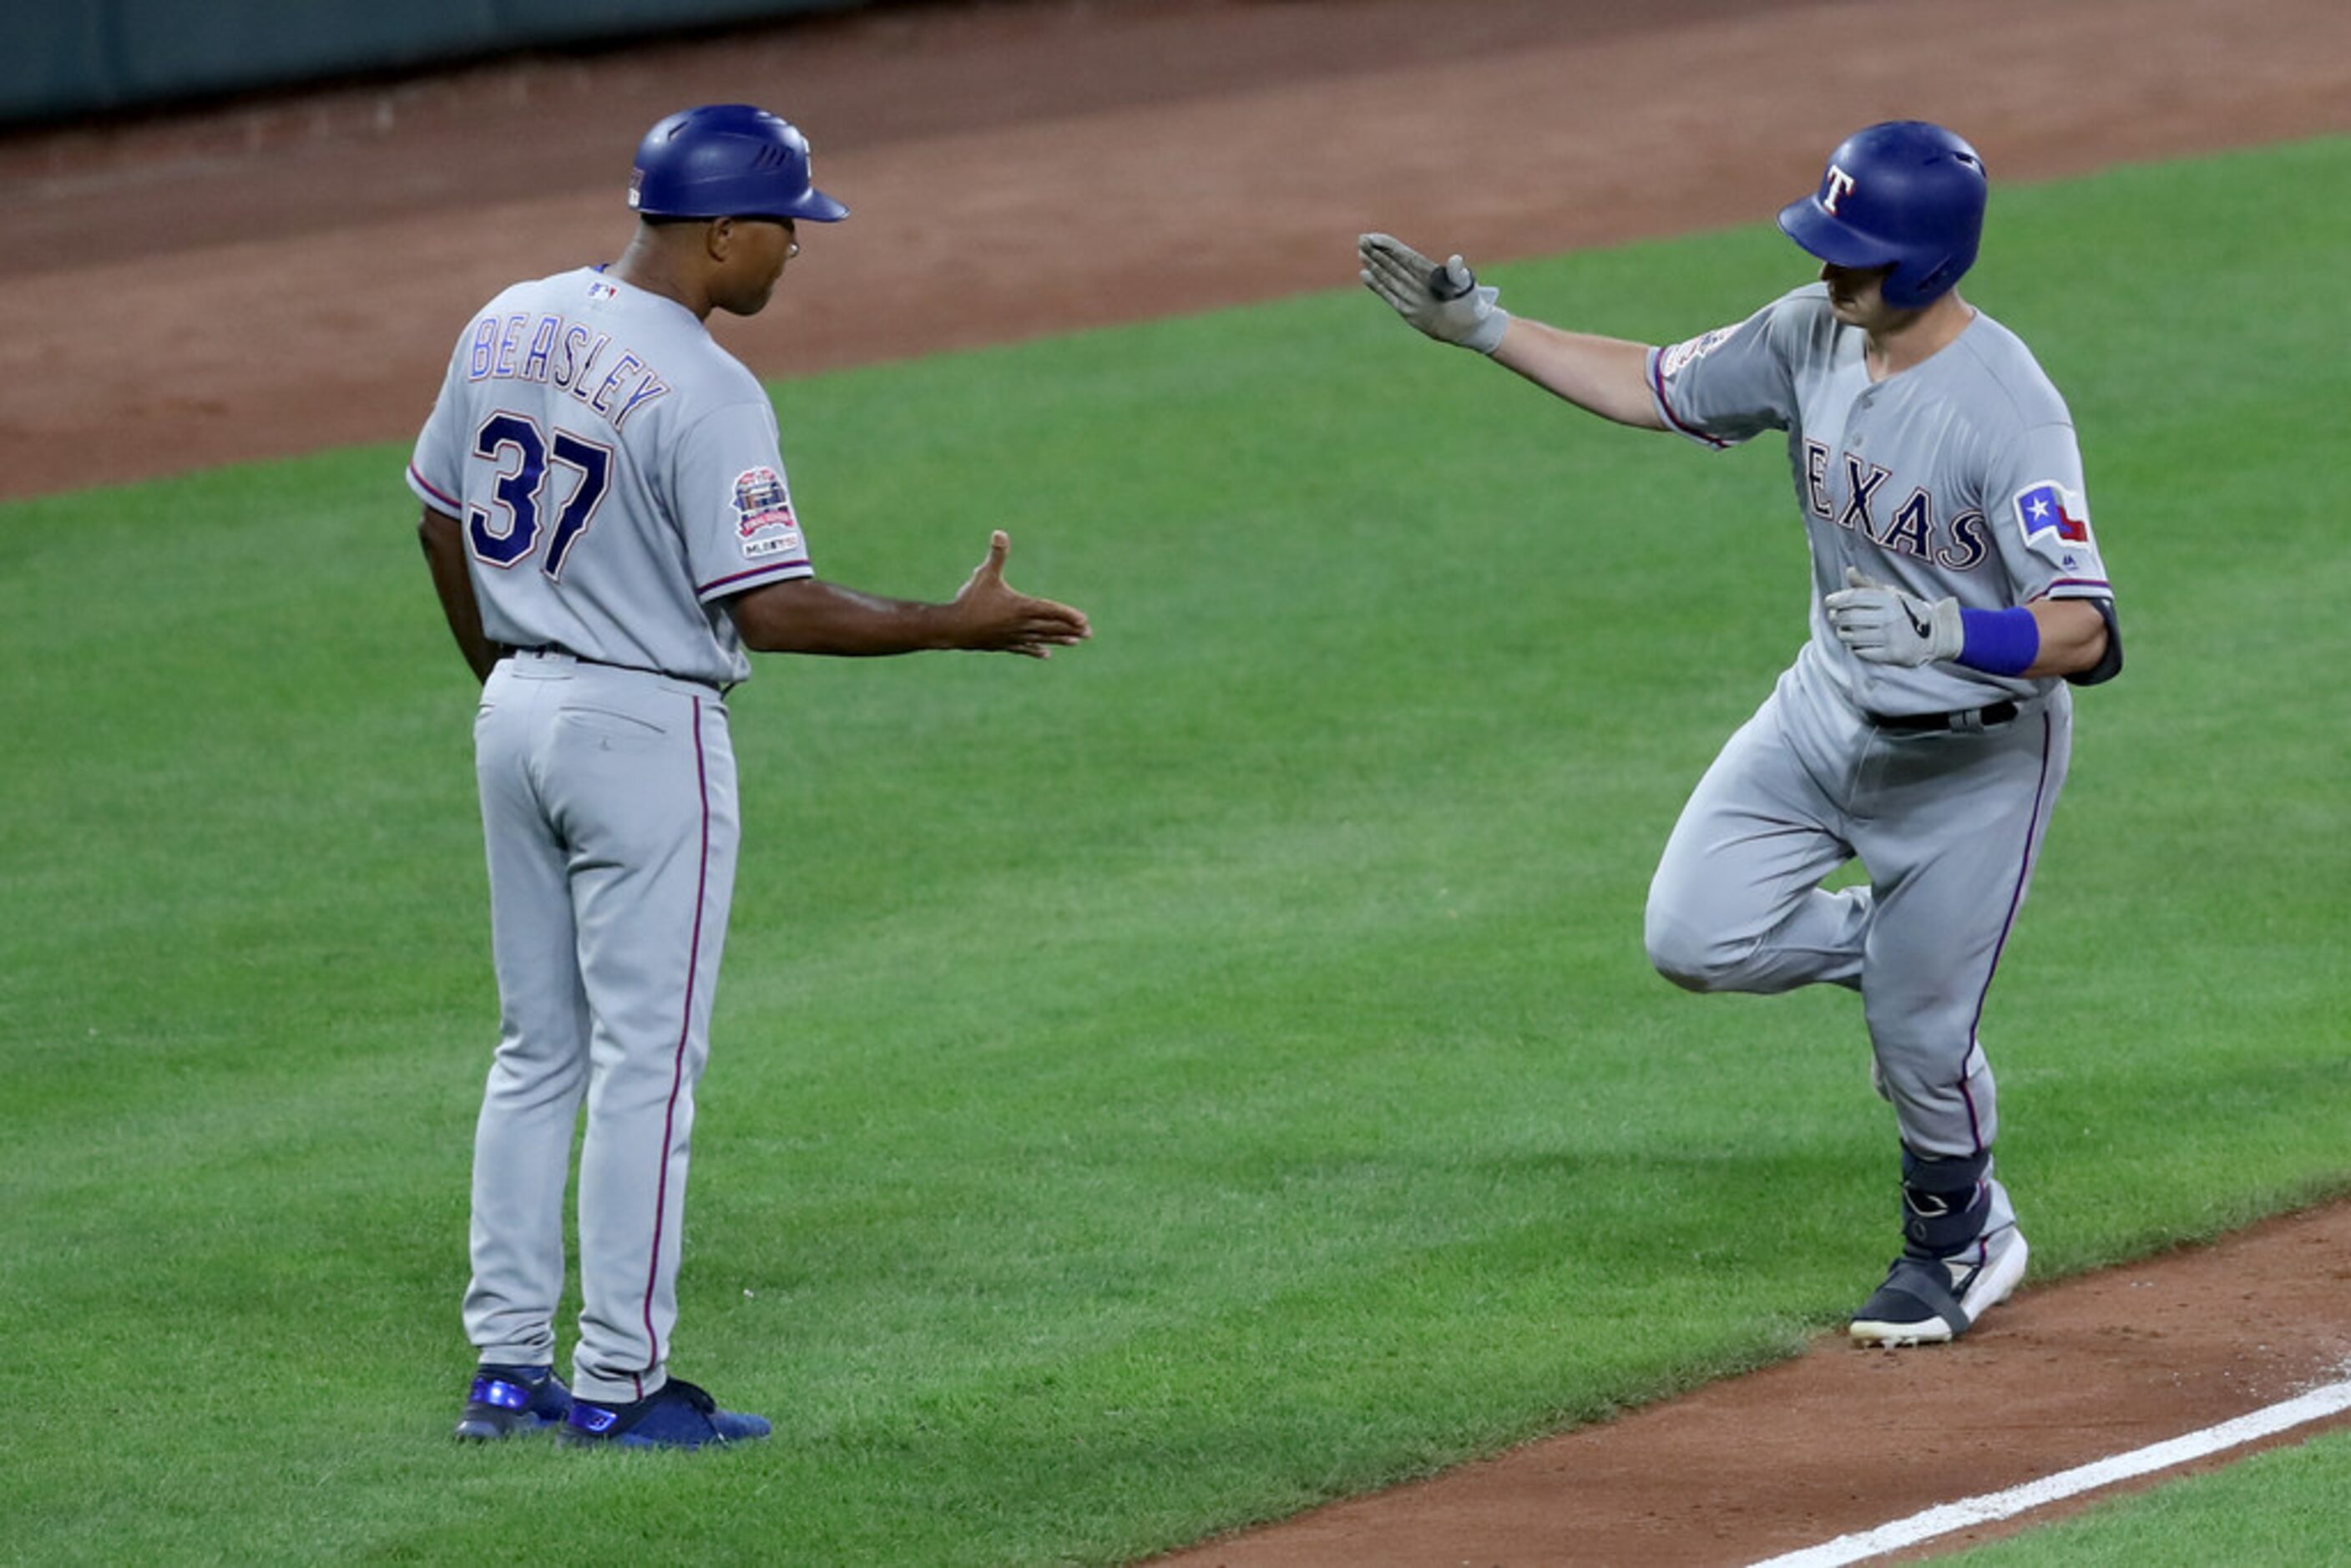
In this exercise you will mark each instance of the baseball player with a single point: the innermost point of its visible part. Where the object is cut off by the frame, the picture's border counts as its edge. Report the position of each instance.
(609, 527)
(1956, 591)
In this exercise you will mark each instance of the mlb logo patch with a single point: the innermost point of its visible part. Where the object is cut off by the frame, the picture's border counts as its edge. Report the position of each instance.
(2052, 508)
(600, 289)
(761, 502)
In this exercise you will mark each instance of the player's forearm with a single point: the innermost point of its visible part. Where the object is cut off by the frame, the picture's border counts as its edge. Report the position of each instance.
(2073, 637)
(1607, 376)
(808, 615)
(812, 616)
(444, 552)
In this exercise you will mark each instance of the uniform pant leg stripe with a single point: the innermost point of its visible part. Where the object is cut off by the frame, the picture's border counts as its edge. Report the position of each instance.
(1975, 1123)
(2015, 903)
(677, 1062)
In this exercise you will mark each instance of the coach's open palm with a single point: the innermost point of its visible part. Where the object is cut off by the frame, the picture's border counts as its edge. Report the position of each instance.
(994, 619)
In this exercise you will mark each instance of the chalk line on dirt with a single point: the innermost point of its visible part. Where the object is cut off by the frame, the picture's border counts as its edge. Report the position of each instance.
(1992, 1507)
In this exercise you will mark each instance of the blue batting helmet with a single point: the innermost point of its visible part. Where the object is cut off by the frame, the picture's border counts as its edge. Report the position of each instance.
(1905, 194)
(726, 161)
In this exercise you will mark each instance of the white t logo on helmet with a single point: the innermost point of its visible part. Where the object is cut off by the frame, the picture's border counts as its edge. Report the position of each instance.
(1834, 189)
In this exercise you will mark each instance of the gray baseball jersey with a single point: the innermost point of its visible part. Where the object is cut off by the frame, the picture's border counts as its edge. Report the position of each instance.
(1958, 477)
(617, 473)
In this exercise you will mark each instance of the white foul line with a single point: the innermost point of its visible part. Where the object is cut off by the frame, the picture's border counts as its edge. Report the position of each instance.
(1993, 1506)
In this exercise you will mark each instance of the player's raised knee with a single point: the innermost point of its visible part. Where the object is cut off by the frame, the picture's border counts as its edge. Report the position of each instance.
(1687, 955)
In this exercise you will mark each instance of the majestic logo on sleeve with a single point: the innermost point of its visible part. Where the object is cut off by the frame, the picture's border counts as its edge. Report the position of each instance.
(763, 514)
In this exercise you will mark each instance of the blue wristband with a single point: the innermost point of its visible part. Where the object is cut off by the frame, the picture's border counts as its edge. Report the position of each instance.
(1999, 641)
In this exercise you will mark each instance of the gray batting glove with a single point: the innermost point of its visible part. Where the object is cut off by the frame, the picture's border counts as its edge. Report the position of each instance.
(1446, 302)
(1886, 626)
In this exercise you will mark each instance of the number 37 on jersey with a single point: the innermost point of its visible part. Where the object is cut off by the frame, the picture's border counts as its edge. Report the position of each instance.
(536, 470)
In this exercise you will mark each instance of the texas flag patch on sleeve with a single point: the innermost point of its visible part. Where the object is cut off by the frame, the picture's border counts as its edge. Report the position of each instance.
(2054, 520)
(2050, 506)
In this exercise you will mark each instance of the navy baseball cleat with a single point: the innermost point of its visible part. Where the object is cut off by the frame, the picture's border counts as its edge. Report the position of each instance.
(505, 1400)
(677, 1414)
(1929, 1300)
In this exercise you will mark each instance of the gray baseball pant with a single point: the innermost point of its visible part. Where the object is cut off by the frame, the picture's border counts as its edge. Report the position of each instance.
(1948, 826)
(609, 816)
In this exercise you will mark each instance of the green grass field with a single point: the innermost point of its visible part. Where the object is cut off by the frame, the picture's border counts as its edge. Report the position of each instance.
(2281, 1507)
(1211, 1073)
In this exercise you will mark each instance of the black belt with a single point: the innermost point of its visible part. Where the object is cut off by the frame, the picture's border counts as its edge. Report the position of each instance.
(608, 664)
(1929, 723)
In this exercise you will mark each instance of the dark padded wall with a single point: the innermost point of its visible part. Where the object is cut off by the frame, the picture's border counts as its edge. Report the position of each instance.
(59, 58)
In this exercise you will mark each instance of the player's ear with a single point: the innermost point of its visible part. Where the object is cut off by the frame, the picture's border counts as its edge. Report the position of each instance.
(718, 238)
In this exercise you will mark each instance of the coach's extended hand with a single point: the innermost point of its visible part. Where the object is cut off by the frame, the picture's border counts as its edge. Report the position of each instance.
(993, 618)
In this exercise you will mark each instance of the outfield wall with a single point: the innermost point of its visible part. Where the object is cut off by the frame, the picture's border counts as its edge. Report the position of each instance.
(60, 58)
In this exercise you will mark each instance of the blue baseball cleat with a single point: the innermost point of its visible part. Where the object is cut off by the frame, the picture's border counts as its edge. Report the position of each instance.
(677, 1414)
(505, 1400)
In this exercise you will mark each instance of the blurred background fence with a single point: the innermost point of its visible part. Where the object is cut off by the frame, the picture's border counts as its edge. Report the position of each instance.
(62, 58)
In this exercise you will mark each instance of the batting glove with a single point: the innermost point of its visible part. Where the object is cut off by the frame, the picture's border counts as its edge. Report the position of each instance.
(1446, 302)
(1886, 626)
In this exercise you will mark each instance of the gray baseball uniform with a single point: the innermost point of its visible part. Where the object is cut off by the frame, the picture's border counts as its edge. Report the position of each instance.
(617, 475)
(1958, 476)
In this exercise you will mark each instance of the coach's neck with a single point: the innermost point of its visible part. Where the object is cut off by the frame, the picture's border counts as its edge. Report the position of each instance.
(672, 260)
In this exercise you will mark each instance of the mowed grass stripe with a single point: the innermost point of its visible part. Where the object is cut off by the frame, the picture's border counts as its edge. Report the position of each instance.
(1209, 1072)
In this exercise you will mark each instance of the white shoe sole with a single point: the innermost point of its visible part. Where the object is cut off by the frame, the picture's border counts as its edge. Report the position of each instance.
(1993, 1284)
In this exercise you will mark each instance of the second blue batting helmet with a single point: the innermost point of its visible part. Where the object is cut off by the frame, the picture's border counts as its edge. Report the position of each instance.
(1904, 195)
(726, 161)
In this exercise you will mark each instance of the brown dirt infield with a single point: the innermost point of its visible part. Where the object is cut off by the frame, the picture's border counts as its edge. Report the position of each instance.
(274, 277)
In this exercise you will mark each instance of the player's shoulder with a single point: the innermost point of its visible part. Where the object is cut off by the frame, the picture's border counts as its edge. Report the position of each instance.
(1796, 323)
(2009, 377)
(1804, 331)
(1803, 317)
(710, 381)
(1806, 300)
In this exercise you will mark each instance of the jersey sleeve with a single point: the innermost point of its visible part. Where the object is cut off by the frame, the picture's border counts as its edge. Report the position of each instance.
(734, 504)
(2038, 511)
(1724, 386)
(437, 468)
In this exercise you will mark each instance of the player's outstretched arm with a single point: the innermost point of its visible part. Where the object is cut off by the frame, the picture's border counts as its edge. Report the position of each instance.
(444, 540)
(809, 615)
(1607, 376)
